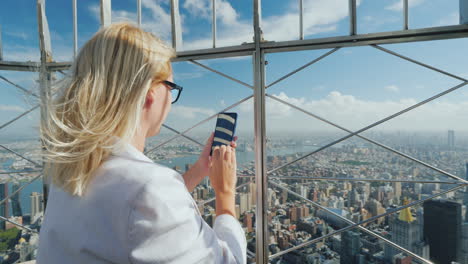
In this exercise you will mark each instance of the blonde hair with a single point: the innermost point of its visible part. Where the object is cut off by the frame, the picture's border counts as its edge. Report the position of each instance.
(102, 97)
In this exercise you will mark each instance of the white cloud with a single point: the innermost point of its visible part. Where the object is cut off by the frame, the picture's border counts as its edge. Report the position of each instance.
(12, 108)
(354, 113)
(398, 5)
(392, 88)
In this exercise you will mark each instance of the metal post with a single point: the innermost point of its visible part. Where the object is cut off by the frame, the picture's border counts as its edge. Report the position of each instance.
(405, 14)
(176, 27)
(463, 12)
(301, 20)
(213, 22)
(260, 141)
(45, 76)
(1, 51)
(106, 12)
(352, 17)
(75, 30)
(139, 12)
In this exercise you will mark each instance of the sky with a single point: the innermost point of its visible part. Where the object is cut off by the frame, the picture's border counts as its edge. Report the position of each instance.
(353, 87)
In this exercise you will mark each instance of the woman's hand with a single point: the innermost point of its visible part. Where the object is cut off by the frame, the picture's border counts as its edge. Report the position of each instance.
(201, 168)
(204, 160)
(223, 170)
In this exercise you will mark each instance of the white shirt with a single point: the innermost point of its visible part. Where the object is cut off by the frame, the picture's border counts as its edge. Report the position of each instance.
(135, 211)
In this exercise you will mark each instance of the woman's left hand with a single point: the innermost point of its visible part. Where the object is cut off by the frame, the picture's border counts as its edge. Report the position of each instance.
(203, 161)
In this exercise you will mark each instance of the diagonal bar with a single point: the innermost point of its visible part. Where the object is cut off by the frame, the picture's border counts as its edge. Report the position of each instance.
(185, 136)
(18, 117)
(370, 140)
(375, 124)
(19, 155)
(21, 188)
(303, 67)
(358, 225)
(16, 224)
(19, 87)
(199, 123)
(21, 171)
(357, 179)
(222, 74)
(419, 63)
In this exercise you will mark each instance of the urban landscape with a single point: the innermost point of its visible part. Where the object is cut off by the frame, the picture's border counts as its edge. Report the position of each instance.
(312, 197)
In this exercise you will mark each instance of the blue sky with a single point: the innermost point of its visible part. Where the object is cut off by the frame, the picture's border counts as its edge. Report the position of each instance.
(353, 87)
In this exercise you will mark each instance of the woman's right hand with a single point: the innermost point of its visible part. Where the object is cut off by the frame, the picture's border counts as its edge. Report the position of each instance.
(223, 169)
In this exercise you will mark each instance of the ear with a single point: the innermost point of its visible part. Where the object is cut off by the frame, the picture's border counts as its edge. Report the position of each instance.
(149, 99)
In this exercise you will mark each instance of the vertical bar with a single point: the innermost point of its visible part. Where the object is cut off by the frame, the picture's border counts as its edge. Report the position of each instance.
(45, 76)
(75, 31)
(405, 14)
(301, 20)
(463, 12)
(1, 49)
(176, 27)
(352, 17)
(261, 227)
(139, 12)
(106, 13)
(213, 24)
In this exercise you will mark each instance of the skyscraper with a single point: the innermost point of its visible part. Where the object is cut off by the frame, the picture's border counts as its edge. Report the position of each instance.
(351, 248)
(36, 204)
(451, 139)
(406, 232)
(442, 230)
(4, 207)
(15, 201)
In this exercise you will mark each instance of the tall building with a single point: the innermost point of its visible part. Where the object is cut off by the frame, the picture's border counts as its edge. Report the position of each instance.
(351, 248)
(4, 207)
(36, 204)
(15, 201)
(406, 231)
(442, 230)
(451, 139)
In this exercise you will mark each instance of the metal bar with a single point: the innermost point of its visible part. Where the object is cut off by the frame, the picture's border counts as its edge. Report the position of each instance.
(20, 171)
(358, 225)
(176, 26)
(352, 17)
(19, 87)
(419, 63)
(29, 66)
(261, 214)
(199, 123)
(373, 125)
(20, 188)
(303, 67)
(44, 74)
(213, 22)
(1, 49)
(16, 224)
(401, 36)
(355, 179)
(187, 137)
(405, 14)
(222, 74)
(214, 198)
(371, 141)
(139, 12)
(301, 20)
(75, 30)
(18, 117)
(19, 155)
(106, 13)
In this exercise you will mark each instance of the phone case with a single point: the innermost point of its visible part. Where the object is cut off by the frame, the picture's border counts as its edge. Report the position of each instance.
(224, 130)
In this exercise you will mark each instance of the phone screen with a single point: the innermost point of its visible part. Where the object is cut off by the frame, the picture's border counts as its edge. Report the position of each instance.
(224, 130)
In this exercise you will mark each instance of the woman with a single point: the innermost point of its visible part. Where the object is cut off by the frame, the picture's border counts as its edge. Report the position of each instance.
(108, 202)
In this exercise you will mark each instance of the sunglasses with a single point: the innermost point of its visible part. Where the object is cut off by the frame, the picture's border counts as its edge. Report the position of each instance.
(175, 90)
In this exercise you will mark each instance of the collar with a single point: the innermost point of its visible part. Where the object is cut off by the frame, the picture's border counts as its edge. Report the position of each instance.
(127, 150)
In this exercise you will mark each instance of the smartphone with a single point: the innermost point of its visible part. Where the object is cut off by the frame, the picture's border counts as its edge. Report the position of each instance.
(224, 130)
